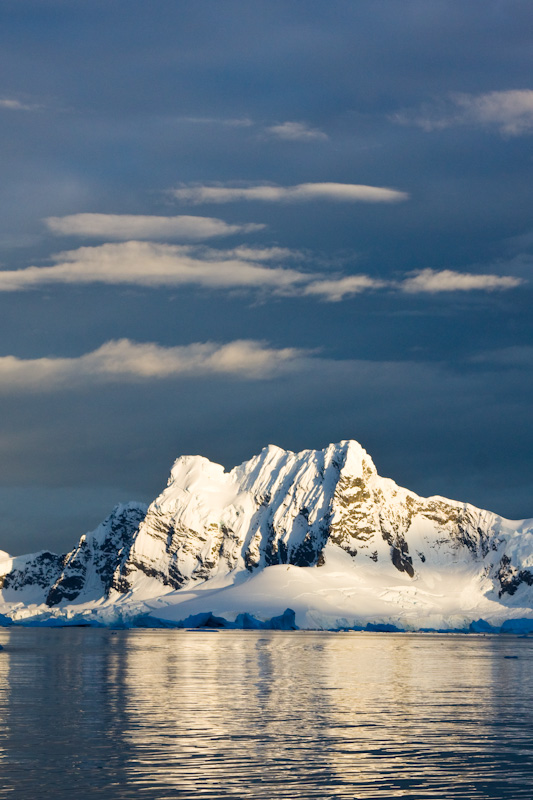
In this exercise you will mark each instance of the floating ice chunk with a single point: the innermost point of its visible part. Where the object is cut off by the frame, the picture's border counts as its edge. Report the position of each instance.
(383, 627)
(284, 622)
(522, 625)
(482, 626)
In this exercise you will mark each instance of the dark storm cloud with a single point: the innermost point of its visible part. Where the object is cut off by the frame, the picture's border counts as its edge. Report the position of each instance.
(105, 107)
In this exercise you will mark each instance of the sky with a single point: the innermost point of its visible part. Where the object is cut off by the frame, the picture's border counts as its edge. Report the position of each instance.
(227, 223)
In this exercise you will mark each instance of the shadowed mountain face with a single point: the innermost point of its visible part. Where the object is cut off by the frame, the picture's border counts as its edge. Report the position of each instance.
(278, 508)
(87, 571)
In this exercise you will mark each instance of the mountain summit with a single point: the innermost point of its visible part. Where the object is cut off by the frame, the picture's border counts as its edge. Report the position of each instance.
(318, 530)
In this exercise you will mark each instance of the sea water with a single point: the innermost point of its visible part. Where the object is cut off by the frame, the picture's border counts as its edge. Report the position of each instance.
(156, 714)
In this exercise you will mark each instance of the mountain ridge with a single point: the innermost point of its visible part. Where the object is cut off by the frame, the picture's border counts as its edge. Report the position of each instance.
(317, 513)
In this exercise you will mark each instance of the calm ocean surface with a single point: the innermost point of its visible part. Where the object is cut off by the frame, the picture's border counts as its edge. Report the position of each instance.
(161, 714)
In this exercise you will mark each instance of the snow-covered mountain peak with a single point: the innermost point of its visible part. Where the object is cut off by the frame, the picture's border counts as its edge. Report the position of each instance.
(195, 482)
(273, 465)
(356, 461)
(191, 471)
(323, 514)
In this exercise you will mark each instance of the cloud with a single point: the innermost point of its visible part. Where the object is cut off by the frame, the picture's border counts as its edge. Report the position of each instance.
(347, 192)
(511, 112)
(446, 280)
(156, 265)
(238, 122)
(125, 361)
(336, 289)
(292, 131)
(257, 253)
(515, 357)
(296, 132)
(130, 226)
(519, 244)
(16, 105)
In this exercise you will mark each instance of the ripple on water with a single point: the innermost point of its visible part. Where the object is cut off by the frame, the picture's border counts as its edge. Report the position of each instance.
(264, 715)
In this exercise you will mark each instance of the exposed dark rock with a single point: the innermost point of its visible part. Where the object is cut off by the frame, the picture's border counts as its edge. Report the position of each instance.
(42, 571)
(104, 554)
(511, 578)
(402, 561)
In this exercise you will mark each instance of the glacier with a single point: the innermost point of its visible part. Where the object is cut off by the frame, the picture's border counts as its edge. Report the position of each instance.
(310, 540)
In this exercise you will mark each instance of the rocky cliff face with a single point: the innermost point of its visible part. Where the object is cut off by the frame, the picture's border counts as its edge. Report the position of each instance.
(85, 572)
(278, 508)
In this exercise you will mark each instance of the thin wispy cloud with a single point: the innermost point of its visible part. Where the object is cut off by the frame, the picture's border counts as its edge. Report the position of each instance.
(289, 130)
(337, 289)
(296, 132)
(246, 253)
(520, 243)
(446, 280)
(514, 357)
(130, 226)
(237, 122)
(273, 193)
(125, 361)
(264, 270)
(510, 112)
(12, 104)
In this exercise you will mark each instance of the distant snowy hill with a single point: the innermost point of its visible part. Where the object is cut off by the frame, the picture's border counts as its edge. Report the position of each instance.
(319, 532)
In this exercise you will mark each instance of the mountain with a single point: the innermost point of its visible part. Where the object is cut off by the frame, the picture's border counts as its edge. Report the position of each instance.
(319, 531)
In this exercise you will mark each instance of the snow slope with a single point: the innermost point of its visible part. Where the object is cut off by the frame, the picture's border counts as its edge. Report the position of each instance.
(318, 531)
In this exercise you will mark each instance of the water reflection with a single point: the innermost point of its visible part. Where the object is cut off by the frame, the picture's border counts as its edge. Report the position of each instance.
(177, 714)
